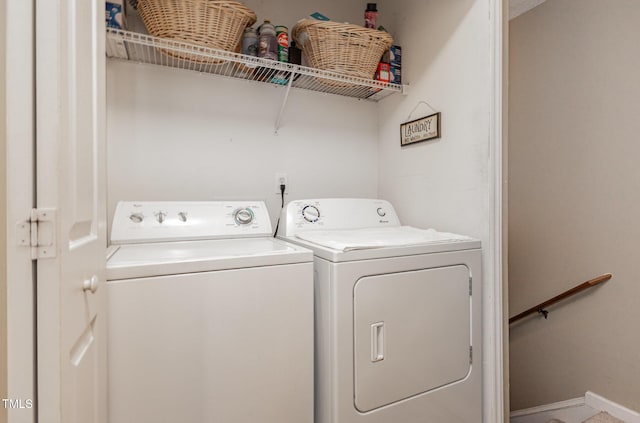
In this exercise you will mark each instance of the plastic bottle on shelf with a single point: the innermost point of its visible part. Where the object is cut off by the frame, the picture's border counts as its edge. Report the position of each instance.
(295, 54)
(295, 57)
(268, 43)
(250, 42)
(249, 48)
(371, 16)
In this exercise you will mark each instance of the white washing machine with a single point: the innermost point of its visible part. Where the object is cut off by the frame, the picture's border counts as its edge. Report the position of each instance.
(398, 315)
(210, 317)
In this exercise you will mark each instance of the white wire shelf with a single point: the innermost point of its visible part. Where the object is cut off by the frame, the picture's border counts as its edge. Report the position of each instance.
(143, 48)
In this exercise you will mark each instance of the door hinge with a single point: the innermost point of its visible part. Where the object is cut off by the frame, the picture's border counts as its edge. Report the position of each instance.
(470, 354)
(470, 286)
(38, 233)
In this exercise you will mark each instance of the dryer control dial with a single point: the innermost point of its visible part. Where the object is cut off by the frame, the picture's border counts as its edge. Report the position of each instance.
(243, 216)
(310, 213)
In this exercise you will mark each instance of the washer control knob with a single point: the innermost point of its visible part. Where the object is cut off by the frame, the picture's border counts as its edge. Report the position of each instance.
(136, 217)
(182, 216)
(243, 216)
(160, 216)
(311, 213)
(381, 212)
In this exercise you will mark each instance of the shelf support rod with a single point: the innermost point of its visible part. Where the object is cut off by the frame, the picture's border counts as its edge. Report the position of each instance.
(284, 102)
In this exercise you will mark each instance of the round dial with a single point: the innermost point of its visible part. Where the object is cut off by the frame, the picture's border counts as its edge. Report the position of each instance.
(311, 213)
(243, 216)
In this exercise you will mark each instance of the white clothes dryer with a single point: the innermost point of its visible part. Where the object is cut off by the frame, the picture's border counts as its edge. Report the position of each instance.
(210, 317)
(398, 314)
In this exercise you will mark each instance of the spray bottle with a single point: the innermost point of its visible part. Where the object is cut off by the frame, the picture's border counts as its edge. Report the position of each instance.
(371, 16)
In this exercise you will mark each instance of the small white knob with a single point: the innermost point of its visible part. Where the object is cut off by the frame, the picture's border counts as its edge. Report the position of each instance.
(160, 215)
(136, 217)
(90, 284)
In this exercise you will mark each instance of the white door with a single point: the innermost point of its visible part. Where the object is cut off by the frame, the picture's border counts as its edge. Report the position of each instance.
(70, 156)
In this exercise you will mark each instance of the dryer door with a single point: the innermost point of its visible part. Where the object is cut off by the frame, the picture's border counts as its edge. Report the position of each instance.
(412, 334)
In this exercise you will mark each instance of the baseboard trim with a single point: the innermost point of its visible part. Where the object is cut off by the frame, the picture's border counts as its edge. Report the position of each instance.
(577, 407)
(616, 410)
(576, 402)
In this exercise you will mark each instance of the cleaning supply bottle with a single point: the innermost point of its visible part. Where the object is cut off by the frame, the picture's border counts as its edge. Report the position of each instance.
(371, 16)
(250, 42)
(267, 41)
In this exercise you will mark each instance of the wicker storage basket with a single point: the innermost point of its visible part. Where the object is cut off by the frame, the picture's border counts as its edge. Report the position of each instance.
(208, 23)
(348, 49)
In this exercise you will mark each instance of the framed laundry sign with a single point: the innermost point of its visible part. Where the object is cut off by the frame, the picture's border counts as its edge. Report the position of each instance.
(423, 129)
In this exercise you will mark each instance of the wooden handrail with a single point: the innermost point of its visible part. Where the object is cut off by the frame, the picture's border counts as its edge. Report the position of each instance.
(540, 308)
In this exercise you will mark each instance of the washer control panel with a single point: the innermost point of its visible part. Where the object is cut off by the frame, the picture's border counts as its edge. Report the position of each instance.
(336, 213)
(151, 221)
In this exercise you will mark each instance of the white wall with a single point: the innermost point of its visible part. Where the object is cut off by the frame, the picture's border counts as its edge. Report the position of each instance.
(575, 200)
(3, 216)
(182, 136)
(444, 183)
(176, 135)
(441, 183)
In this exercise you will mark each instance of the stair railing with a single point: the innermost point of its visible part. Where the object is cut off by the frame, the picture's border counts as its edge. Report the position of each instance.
(542, 307)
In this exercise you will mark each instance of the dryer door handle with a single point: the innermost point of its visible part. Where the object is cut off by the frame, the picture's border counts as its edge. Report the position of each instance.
(377, 342)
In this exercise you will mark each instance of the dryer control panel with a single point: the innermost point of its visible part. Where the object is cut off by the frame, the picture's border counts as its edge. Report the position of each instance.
(152, 221)
(336, 213)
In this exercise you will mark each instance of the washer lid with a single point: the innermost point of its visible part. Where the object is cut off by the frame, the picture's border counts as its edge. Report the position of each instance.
(170, 258)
